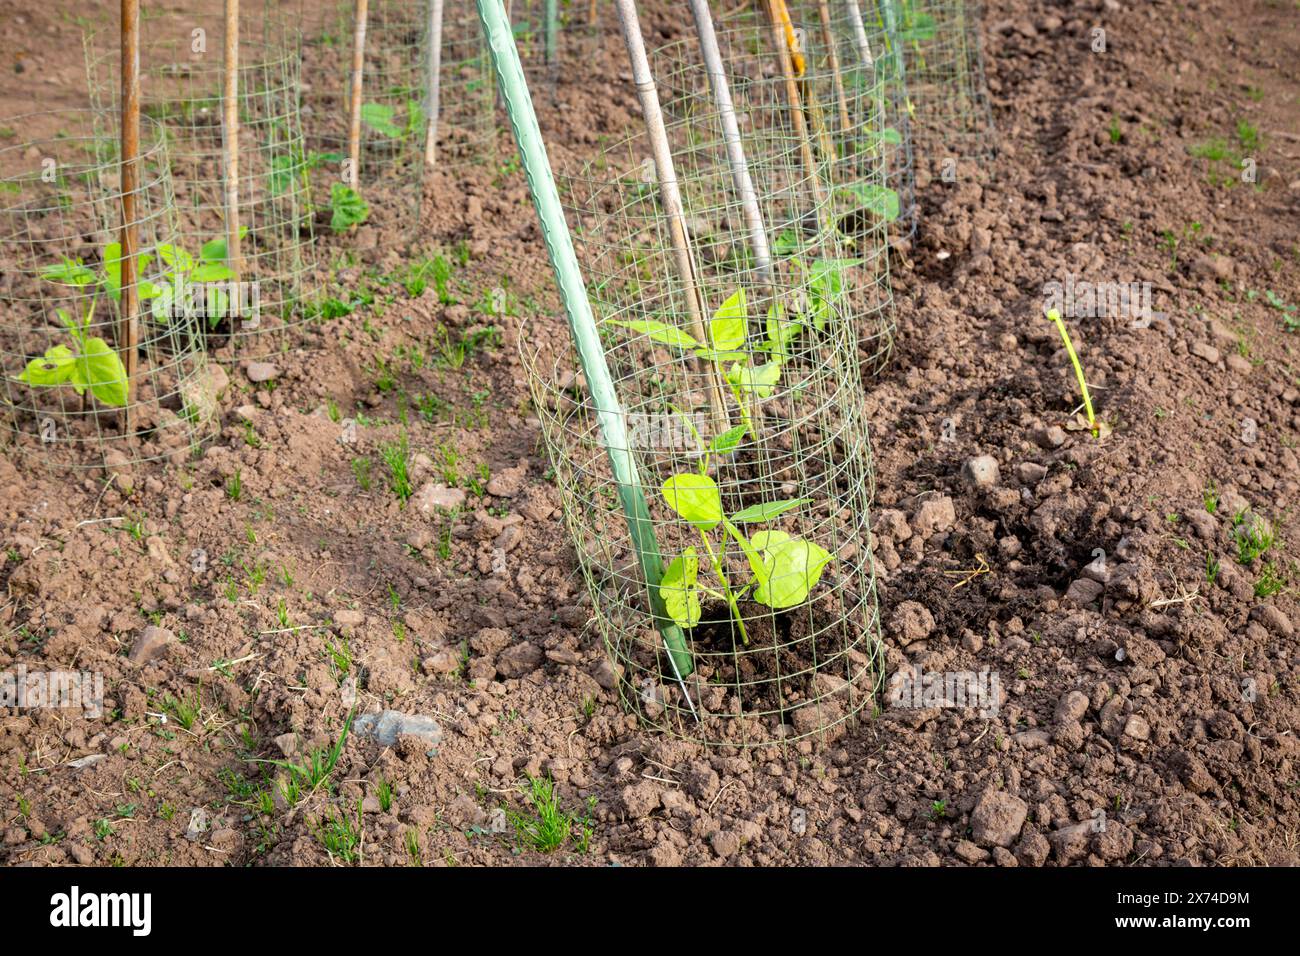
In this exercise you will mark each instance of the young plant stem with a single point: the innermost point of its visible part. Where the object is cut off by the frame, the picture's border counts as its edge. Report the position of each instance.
(1055, 316)
(726, 587)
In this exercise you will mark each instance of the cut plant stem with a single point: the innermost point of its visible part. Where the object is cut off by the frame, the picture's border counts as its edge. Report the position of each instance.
(1055, 316)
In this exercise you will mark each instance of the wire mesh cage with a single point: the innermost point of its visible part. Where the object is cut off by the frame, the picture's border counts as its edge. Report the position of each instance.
(258, 191)
(939, 51)
(740, 378)
(413, 134)
(63, 335)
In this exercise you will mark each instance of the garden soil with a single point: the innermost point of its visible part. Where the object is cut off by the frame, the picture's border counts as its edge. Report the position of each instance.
(1147, 696)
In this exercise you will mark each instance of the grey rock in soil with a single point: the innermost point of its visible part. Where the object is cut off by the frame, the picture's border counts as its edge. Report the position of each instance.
(385, 727)
(981, 472)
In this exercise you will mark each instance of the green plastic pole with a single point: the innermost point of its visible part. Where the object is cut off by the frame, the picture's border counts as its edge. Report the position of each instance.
(552, 34)
(582, 324)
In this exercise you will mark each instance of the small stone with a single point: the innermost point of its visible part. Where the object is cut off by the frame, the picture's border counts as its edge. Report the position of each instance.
(969, 852)
(87, 761)
(640, 799)
(150, 645)
(725, 843)
(1070, 843)
(508, 483)
(1084, 591)
(1239, 363)
(1033, 848)
(935, 514)
(1137, 727)
(1032, 739)
(997, 818)
(911, 621)
(607, 674)
(1206, 351)
(519, 660)
(347, 617)
(118, 467)
(490, 641)
(1030, 472)
(287, 744)
(386, 726)
(1048, 436)
(1273, 619)
(432, 499)
(1072, 706)
(259, 372)
(981, 472)
(442, 662)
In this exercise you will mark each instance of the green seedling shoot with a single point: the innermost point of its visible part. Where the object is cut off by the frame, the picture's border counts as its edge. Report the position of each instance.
(784, 569)
(1055, 316)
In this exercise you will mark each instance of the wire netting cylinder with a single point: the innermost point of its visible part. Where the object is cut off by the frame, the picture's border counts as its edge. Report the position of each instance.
(769, 378)
(65, 389)
(182, 70)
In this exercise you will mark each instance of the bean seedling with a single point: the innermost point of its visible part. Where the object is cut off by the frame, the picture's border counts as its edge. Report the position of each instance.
(785, 568)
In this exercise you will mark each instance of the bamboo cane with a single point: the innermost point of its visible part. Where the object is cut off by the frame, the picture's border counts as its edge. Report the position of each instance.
(860, 34)
(433, 106)
(354, 113)
(669, 191)
(230, 136)
(128, 328)
(775, 9)
(741, 179)
(582, 326)
(833, 61)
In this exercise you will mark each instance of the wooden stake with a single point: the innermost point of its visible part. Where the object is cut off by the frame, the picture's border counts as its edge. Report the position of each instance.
(669, 192)
(230, 136)
(796, 109)
(741, 179)
(354, 117)
(128, 337)
(833, 60)
(435, 79)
